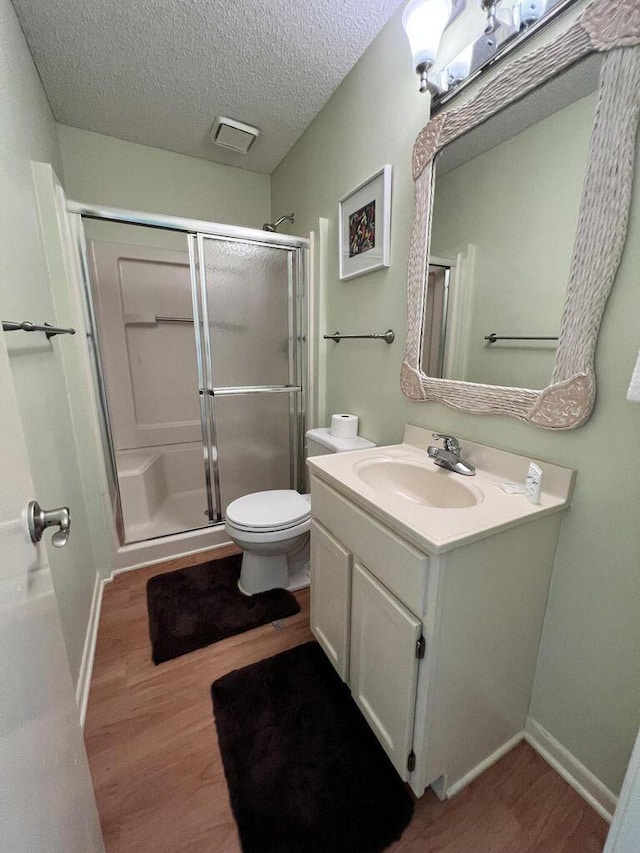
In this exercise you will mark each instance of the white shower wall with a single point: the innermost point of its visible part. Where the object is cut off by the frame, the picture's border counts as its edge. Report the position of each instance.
(150, 366)
(161, 491)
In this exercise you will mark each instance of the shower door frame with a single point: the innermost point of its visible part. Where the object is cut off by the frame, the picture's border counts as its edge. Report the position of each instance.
(196, 231)
(210, 390)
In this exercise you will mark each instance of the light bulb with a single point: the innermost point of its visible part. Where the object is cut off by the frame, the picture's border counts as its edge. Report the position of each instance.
(460, 67)
(424, 22)
(530, 11)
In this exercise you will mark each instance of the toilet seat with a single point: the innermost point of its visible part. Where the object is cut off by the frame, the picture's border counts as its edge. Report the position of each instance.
(270, 512)
(246, 538)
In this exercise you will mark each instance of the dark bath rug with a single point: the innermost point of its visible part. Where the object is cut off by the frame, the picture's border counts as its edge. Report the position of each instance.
(194, 607)
(305, 772)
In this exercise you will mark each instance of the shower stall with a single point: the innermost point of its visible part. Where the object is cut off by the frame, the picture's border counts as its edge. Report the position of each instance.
(198, 338)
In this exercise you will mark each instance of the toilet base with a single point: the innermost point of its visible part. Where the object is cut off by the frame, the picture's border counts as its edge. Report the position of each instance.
(301, 579)
(261, 572)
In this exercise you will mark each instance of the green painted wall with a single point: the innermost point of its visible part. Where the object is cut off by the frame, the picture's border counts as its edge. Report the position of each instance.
(587, 690)
(103, 170)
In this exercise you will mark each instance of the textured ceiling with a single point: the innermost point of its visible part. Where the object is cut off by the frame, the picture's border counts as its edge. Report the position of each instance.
(159, 71)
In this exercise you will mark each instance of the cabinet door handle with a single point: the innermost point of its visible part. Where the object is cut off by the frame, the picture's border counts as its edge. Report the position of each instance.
(39, 519)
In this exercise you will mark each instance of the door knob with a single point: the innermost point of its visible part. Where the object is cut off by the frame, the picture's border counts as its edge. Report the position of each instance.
(39, 519)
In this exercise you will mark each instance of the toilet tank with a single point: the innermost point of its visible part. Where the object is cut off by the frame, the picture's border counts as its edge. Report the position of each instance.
(320, 441)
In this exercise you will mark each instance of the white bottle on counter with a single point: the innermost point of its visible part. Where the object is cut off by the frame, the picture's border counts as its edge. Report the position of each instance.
(533, 483)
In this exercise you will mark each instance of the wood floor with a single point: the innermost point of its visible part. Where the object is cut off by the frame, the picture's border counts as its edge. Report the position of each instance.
(158, 774)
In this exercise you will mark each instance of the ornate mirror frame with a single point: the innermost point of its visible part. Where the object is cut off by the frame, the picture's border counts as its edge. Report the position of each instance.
(610, 27)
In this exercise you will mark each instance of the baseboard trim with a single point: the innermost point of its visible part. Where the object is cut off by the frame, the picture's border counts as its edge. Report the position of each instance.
(572, 771)
(484, 765)
(89, 650)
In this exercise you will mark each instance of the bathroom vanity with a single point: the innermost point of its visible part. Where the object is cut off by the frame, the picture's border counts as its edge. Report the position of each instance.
(428, 594)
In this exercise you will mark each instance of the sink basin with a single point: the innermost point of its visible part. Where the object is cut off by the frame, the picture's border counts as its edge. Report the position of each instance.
(420, 484)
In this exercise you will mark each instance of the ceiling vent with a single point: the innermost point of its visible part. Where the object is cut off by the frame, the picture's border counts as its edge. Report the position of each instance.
(233, 134)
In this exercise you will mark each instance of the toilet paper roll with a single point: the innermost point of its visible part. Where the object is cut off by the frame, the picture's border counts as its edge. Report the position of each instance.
(344, 426)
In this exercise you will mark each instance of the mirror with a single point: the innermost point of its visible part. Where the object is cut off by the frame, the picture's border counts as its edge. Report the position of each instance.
(505, 213)
(514, 199)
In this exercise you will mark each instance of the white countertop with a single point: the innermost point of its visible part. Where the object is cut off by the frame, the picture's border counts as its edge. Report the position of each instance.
(440, 529)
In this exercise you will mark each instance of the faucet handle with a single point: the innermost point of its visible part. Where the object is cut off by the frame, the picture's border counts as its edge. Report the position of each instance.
(450, 443)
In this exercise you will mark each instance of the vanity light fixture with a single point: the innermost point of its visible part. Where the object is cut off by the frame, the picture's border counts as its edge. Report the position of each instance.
(491, 8)
(507, 24)
(460, 68)
(424, 22)
(529, 11)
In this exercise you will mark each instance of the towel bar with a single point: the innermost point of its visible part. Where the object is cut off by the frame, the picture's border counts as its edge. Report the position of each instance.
(388, 336)
(492, 338)
(49, 330)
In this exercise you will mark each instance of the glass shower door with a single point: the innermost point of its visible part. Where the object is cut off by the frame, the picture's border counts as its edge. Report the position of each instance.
(140, 304)
(251, 361)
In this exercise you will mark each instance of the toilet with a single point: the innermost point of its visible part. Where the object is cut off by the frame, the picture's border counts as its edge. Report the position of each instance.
(272, 528)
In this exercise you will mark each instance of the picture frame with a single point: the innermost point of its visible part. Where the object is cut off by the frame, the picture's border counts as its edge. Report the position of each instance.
(364, 226)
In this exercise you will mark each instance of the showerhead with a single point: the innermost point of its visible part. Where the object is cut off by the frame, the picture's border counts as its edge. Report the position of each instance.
(273, 226)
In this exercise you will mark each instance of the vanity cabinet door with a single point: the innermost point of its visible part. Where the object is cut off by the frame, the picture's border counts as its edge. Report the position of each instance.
(331, 597)
(384, 665)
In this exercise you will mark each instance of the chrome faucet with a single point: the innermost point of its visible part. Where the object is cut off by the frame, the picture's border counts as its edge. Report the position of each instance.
(449, 456)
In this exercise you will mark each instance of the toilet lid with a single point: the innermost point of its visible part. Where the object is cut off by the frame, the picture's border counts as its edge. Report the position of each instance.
(271, 510)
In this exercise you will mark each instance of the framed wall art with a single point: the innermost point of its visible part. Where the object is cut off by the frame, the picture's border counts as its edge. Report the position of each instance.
(364, 226)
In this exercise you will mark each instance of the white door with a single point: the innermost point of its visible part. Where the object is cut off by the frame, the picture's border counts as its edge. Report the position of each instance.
(624, 836)
(46, 797)
(331, 597)
(384, 666)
